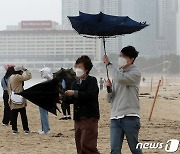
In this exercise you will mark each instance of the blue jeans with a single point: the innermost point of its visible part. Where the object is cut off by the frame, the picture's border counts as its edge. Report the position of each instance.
(128, 126)
(44, 120)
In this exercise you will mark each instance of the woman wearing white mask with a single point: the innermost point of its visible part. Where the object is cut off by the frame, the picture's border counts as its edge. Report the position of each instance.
(85, 93)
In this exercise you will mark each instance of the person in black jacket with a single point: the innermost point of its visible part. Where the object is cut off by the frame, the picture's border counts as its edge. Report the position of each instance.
(4, 83)
(85, 93)
(64, 105)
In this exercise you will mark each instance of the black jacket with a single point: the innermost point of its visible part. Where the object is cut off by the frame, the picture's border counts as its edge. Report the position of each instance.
(86, 104)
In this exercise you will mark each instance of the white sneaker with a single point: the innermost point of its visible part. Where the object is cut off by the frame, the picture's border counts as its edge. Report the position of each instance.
(39, 131)
(42, 132)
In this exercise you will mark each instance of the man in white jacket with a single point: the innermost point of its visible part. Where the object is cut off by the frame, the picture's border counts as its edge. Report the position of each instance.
(46, 75)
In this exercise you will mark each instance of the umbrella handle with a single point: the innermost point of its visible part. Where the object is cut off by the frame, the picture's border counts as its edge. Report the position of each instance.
(104, 44)
(109, 90)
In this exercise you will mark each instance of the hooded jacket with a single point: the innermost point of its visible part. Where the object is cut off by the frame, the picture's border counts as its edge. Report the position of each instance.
(46, 73)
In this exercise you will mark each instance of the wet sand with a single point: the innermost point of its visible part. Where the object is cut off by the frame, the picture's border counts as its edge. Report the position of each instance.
(164, 125)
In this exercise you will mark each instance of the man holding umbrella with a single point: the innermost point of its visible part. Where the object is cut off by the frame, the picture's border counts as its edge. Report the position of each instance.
(124, 99)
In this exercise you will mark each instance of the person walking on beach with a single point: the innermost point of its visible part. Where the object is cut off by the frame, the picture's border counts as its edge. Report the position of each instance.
(64, 105)
(4, 83)
(101, 83)
(124, 99)
(46, 74)
(85, 93)
(17, 103)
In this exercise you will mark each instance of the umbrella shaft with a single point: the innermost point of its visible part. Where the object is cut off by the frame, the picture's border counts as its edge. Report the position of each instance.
(107, 72)
(104, 44)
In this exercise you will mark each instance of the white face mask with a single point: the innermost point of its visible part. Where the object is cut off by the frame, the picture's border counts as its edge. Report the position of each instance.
(121, 61)
(79, 72)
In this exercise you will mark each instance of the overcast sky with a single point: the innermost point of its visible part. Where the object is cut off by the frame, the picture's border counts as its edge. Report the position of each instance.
(13, 11)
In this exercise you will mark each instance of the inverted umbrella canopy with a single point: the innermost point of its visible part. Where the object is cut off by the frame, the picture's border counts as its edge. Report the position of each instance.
(45, 95)
(103, 25)
(69, 76)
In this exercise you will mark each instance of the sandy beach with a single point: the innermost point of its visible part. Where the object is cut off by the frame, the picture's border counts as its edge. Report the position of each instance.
(164, 125)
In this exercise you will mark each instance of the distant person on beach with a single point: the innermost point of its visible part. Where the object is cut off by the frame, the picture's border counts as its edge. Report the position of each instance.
(4, 83)
(64, 105)
(46, 74)
(85, 93)
(143, 79)
(124, 99)
(18, 103)
(101, 83)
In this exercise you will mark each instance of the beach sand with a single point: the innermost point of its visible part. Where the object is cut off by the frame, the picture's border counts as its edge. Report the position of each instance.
(164, 125)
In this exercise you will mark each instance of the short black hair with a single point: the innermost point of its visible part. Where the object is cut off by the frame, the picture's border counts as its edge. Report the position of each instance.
(86, 61)
(9, 72)
(130, 52)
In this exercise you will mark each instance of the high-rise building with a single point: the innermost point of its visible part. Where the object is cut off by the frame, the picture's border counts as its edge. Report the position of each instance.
(178, 29)
(144, 40)
(167, 26)
(69, 8)
(160, 37)
(72, 8)
(113, 7)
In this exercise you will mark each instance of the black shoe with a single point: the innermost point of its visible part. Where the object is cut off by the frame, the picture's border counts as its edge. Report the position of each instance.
(69, 118)
(26, 132)
(15, 132)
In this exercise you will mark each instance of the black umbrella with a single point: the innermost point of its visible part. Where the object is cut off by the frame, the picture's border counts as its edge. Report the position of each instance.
(45, 95)
(104, 26)
(69, 76)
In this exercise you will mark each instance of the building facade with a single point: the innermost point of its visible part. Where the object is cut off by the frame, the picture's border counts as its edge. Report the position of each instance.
(36, 44)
